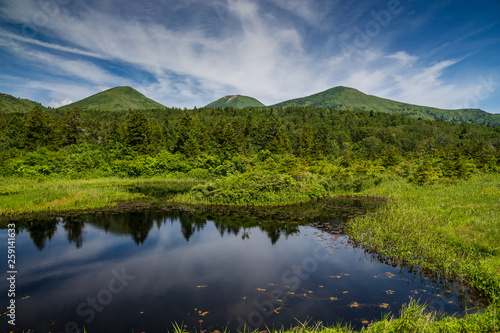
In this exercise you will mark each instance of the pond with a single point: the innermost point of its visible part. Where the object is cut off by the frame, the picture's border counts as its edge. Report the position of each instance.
(143, 271)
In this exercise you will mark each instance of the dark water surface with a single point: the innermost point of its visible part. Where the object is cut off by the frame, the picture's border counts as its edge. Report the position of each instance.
(143, 271)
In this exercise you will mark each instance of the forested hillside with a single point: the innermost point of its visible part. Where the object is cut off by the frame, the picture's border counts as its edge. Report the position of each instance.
(235, 101)
(344, 98)
(10, 104)
(209, 143)
(115, 99)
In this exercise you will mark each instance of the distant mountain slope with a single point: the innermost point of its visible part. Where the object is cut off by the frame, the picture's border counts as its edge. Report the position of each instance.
(349, 98)
(235, 101)
(9, 104)
(116, 99)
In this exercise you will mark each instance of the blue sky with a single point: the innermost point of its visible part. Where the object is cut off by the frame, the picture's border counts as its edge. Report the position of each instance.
(188, 53)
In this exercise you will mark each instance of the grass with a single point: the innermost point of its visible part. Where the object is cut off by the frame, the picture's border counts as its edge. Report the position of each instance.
(450, 230)
(413, 318)
(22, 196)
(453, 230)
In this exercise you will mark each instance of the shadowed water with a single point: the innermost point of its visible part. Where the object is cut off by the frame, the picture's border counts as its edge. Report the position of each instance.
(144, 271)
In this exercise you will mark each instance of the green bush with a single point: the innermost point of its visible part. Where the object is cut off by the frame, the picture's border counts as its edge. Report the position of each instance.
(258, 188)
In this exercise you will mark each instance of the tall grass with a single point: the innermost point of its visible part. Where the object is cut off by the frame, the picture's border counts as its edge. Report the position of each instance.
(414, 317)
(21, 196)
(450, 229)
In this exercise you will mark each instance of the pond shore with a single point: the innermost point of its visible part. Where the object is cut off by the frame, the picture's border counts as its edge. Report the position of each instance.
(453, 230)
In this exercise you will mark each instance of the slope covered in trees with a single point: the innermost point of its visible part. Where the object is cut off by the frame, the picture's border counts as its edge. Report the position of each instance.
(10, 103)
(345, 98)
(115, 99)
(235, 101)
(209, 143)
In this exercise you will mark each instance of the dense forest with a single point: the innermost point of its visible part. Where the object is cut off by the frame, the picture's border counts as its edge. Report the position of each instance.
(209, 143)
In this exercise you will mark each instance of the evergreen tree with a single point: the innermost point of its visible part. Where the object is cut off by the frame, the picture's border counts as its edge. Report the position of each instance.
(305, 146)
(72, 126)
(137, 131)
(273, 137)
(226, 139)
(38, 129)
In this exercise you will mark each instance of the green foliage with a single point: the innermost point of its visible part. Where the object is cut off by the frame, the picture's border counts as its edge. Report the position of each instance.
(137, 131)
(426, 173)
(257, 188)
(229, 142)
(272, 136)
(38, 129)
(72, 126)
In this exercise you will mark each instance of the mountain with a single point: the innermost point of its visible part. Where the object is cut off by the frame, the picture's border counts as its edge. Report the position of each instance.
(352, 99)
(9, 104)
(235, 101)
(115, 99)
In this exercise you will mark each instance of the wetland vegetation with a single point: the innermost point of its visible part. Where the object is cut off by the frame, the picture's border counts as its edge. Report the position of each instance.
(439, 182)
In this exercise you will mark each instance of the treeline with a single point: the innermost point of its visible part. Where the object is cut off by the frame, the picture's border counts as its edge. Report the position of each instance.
(207, 143)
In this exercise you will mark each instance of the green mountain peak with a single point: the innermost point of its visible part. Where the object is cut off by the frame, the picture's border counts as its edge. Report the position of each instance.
(116, 99)
(346, 98)
(235, 101)
(10, 104)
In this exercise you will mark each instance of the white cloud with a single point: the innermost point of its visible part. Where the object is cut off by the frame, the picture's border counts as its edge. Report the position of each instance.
(56, 104)
(10, 38)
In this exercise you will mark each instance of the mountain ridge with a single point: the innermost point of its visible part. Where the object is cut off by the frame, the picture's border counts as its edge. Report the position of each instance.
(235, 101)
(346, 98)
(119, 98)
(124, 98)
(11, 104)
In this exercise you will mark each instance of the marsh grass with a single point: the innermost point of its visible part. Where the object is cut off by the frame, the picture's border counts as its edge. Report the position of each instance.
(22, 196)
(449, 229)
(414, 317)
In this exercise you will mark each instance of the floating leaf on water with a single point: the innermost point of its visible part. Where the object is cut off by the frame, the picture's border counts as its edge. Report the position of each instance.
(364, 321)
(321, 286)
(243, 297)
(203, 286)
(291, 293)
(25, 297)
(389, 292)
(203, 314)
(345, 274)
(353, 305)
(141, 312)
(260, 289)
(334, 299)
(389, 275)
(383, 305)
(450, 302)
(345, 292)
(335, 276)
